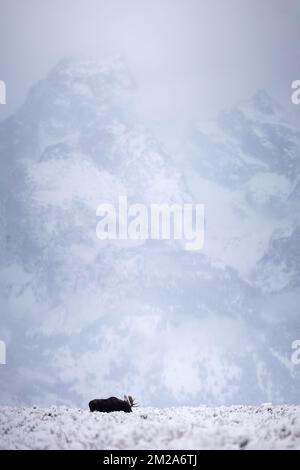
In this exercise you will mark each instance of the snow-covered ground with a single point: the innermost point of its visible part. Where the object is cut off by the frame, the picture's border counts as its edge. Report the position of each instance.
(235, 427)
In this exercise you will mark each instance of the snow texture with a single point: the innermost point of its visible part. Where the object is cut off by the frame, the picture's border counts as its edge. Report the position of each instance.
(235, 427)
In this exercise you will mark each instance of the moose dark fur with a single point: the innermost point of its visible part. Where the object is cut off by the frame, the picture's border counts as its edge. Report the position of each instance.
(108, 405)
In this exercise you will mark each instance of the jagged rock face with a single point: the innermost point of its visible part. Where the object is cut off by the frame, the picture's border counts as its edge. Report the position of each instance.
(172, 326)
(251, 138)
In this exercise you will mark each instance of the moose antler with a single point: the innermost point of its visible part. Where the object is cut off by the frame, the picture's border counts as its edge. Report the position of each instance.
(130, 400)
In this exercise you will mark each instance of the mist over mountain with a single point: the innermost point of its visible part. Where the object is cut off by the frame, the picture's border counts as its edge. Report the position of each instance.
(82, 317)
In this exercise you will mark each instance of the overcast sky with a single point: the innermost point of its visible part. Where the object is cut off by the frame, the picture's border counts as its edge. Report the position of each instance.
(190, 57)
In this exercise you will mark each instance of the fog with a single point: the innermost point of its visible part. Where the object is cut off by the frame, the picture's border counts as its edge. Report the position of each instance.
(189, 57)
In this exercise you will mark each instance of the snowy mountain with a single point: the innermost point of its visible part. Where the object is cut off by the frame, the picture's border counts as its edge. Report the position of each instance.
(83, 318)
(253, 137)
(246, 165)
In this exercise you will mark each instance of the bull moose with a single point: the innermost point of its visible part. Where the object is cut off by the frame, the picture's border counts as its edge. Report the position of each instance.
(108, 405)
